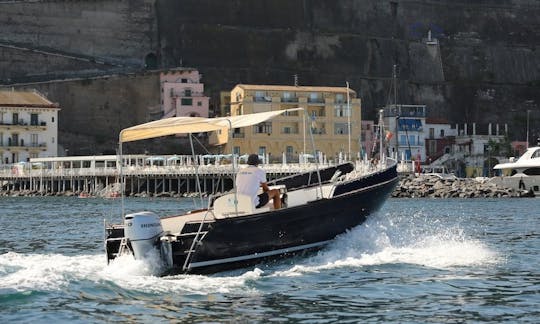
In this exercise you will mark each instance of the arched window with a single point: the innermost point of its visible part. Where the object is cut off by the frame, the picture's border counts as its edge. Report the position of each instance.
(150, 61)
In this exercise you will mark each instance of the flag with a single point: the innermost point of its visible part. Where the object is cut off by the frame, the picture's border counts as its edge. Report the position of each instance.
(389, 136)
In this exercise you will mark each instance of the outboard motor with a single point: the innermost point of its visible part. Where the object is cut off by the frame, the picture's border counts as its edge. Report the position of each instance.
(143, 229)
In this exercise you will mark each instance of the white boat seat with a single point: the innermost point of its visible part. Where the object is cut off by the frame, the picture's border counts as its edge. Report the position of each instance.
(224, 206)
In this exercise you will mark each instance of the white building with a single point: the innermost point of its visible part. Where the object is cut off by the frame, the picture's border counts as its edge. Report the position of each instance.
(28, 126)
(406, 123)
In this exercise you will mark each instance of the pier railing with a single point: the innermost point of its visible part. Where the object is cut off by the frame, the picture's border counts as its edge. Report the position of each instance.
(16, 172)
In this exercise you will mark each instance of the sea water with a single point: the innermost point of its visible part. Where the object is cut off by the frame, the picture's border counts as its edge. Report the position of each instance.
(416, 260)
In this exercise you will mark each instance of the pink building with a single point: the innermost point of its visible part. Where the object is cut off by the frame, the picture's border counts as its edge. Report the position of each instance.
(182, 93)
(368, 138)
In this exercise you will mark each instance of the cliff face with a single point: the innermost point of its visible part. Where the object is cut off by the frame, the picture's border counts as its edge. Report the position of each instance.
(484, 63)
(484, 67)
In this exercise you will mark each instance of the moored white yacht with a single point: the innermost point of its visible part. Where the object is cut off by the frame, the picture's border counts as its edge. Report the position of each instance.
(524, 174)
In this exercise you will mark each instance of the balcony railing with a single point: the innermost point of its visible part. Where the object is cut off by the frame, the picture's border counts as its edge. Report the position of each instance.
(316, 100)
(238, 135)
(292, 99)
(262, 99)
(22, 146)
(25, 124)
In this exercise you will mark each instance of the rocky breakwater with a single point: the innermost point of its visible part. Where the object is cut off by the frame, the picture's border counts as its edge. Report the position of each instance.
(432, 186)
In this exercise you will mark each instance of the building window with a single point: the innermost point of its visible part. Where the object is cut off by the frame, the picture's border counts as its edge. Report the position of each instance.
(33, 119)
(259, 96)
(15, 119)
(432, 147)
(339, 98)
(1, 139)
(199, 103)
(34, 140)
(431, 132)
(263, 128)
(442, 133)
(15, 139)
(52, 139)
(236, 150)
(340, 128)
(314, 97)
(186, 102)
(341, 111)
(183, 81)
(52, 119)
(289, 151)
(262, 152)
(187, 92)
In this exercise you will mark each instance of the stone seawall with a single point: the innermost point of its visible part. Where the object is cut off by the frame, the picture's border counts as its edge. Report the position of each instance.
(432, 186)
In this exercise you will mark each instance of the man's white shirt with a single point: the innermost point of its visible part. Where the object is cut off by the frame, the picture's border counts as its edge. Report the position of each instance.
(248, 181)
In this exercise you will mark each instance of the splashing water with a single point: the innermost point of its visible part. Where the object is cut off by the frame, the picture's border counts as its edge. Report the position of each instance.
(401, 239)
(54, 272)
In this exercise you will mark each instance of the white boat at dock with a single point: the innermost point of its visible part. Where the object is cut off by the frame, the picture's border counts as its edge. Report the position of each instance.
(522, 174)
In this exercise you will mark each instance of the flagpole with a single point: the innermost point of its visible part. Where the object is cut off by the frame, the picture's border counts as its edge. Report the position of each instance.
(348, 119)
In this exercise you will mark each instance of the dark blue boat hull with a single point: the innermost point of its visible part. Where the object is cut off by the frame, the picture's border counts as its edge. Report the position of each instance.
(247, 240)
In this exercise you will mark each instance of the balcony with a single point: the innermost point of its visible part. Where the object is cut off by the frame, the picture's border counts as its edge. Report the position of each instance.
(412, 111)
(22, 146)
(318, 131)
(22, 125)
(311, 100)
(289, 130)
(290, 99)
(262, 99)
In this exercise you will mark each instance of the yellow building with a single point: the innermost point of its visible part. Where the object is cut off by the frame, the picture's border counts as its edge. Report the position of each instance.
(326, 112)
(224, 103)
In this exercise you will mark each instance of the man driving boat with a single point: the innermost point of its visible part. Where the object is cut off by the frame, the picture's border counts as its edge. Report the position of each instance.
(252, 177)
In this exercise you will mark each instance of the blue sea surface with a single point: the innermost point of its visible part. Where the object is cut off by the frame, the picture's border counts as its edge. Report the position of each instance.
(416, 260)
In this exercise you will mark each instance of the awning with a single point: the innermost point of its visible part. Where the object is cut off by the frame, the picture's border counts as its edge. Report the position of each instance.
(188, 125)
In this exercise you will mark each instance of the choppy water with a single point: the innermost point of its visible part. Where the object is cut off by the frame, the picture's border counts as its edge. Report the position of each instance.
(415, 261)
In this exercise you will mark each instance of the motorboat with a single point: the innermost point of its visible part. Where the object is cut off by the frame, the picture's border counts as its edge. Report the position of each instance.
(522, 174)
(230, 232)
(439, 171)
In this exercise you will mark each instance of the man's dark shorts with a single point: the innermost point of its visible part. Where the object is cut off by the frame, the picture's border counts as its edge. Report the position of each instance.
(263, 199)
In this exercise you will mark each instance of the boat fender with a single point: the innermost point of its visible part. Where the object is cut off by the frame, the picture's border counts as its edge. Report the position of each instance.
(143, 229)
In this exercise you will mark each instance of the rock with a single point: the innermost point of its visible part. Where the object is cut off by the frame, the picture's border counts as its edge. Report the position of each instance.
(430, 186)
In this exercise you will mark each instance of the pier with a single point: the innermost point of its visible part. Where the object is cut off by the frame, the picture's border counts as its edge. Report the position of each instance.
(142, 174)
